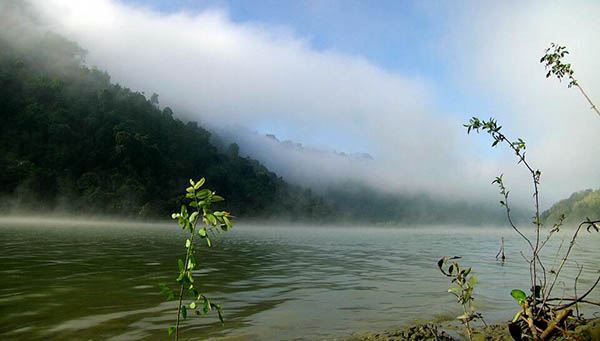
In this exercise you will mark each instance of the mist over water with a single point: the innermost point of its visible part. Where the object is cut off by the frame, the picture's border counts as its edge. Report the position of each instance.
(65, 281)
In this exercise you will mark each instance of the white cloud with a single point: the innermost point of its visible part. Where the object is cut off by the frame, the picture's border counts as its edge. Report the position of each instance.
(225, 73)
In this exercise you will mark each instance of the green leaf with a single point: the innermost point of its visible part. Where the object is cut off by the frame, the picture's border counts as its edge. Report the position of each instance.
(190, 189)
(171, 330)
(193, 305)
(212, 219)
(208, 242)
(455, 290)
(193, 215)
(519, 296)
(203, 193)
(220, 313)
(180, 264)
(184, 312)
(441, 262)
(202, 232)
(190, 277)
(207, 305)
(217, 198)
(463, 317)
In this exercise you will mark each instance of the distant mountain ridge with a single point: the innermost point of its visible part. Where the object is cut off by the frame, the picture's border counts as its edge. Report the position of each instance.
(297, 145)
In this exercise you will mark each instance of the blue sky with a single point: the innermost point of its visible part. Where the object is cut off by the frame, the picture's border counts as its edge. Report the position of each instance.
(395, 35)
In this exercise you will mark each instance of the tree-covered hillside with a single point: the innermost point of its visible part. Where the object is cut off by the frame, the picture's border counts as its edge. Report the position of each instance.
(72, 140)
(578, 207)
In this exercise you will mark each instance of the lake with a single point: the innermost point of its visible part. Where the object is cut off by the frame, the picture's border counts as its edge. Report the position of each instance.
(99, 281)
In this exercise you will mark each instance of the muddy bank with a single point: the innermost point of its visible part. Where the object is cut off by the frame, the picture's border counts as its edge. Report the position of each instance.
(448, 331)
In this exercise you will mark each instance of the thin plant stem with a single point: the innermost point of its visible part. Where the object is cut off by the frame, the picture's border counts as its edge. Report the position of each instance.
(594, 107)
(187, 258)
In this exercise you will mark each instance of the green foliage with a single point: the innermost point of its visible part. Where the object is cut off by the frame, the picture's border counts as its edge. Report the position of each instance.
(519, 296)
(70, 139)
(465, 285)
(552, 61)
(210, 221)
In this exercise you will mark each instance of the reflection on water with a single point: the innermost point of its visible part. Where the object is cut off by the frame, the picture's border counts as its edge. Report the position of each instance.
(100, 282)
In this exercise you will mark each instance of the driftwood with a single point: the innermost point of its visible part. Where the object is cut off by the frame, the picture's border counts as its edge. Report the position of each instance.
(555, 326)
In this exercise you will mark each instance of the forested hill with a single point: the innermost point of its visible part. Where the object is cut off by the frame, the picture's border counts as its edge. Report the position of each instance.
(71, 140)
(578, 207)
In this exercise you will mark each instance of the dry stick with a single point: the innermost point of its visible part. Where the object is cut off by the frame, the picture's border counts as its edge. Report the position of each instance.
(575, 290)
(572, 299)
(527, 309)
(561, 318)
(580, 298)
(554, 230)
(501, 251)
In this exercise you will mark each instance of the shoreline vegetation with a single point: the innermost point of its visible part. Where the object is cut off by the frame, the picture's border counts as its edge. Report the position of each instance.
(587, 330)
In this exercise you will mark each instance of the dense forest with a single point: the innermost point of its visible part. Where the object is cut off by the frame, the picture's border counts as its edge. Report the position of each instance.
(72, 141)
(576, 208)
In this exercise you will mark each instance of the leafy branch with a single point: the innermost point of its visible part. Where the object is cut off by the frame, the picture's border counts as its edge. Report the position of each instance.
(200, 202)
(552, 60)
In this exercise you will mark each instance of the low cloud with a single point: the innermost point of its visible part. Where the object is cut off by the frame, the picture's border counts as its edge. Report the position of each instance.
(223, 74)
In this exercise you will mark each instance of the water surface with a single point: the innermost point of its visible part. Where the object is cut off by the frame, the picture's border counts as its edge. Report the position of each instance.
(81, 281)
